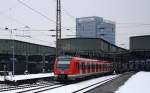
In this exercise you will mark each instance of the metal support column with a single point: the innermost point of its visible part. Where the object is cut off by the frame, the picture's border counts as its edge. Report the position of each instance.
(43, 59)
(27, 61)
(58, 28)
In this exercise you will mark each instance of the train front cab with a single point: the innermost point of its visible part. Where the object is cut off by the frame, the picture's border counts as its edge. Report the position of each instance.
(64, 68)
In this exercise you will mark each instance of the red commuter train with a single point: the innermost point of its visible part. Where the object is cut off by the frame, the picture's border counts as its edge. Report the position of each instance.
(72, 68)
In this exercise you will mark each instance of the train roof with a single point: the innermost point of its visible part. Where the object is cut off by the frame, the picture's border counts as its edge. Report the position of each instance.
(79, 58)
(87, 59)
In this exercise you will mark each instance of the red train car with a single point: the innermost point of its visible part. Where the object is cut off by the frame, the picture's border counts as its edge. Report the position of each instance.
(72, 68)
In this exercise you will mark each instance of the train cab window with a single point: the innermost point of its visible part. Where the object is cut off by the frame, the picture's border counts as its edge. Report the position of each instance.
(63, 63)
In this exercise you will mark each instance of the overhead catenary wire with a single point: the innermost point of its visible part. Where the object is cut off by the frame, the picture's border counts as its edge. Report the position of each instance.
(31, 37)
(41, 14)
(24, 36)
(36, 11)
(3, 13)
(9, 9)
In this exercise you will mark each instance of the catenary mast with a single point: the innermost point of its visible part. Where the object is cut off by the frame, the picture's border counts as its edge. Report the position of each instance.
(58, 28)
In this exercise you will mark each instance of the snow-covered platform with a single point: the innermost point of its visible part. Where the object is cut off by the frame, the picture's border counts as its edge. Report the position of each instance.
(26, 77)
(2, 78)
(138, 83)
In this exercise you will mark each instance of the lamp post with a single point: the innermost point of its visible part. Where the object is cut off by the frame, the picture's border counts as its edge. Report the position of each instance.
(13, 49)
(13, 46)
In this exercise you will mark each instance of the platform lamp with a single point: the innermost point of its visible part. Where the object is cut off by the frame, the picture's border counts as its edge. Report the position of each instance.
(13, 49)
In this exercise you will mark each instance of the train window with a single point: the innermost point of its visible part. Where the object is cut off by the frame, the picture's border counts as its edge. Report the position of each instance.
(88, 66)
(102, 66)
(83, 66)
(94, 66)
(80, 66)
(63, 63)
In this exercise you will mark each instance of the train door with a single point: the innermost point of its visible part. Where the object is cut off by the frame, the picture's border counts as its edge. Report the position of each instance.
(107, 66)
(90, 67)
(96, 67)
(86, 67)
(99, 67)
(83, 68)
(102, 67)
(80, 68)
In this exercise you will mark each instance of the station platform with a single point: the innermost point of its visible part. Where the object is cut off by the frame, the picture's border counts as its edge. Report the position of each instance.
(25, 77)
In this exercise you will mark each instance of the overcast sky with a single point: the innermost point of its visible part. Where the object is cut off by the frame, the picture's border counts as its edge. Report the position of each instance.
(132, 17)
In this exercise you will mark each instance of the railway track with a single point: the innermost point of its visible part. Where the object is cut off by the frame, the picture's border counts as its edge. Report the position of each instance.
(85, 89)
(82, 90)
(52, 86)
(8, 88)
(38, 90)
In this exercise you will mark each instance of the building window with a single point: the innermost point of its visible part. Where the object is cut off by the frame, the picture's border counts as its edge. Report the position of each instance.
(101, 29)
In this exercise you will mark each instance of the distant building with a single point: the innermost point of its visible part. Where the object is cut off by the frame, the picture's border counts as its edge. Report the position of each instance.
(140, 43)
(95, 27)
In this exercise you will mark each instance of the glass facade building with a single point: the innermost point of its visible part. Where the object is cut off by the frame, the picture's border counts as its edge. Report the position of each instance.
(95, 27)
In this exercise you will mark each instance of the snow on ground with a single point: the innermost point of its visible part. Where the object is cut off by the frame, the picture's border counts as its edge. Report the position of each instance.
(1, 78)
(73, 87)
(28, 76)
(138, 83)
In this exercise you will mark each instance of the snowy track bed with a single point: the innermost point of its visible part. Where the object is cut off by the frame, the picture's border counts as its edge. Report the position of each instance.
(81, 86)
(55, 87)
(25, 87)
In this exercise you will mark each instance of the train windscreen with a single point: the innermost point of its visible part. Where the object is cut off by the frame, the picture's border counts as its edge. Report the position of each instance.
(63, 63)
